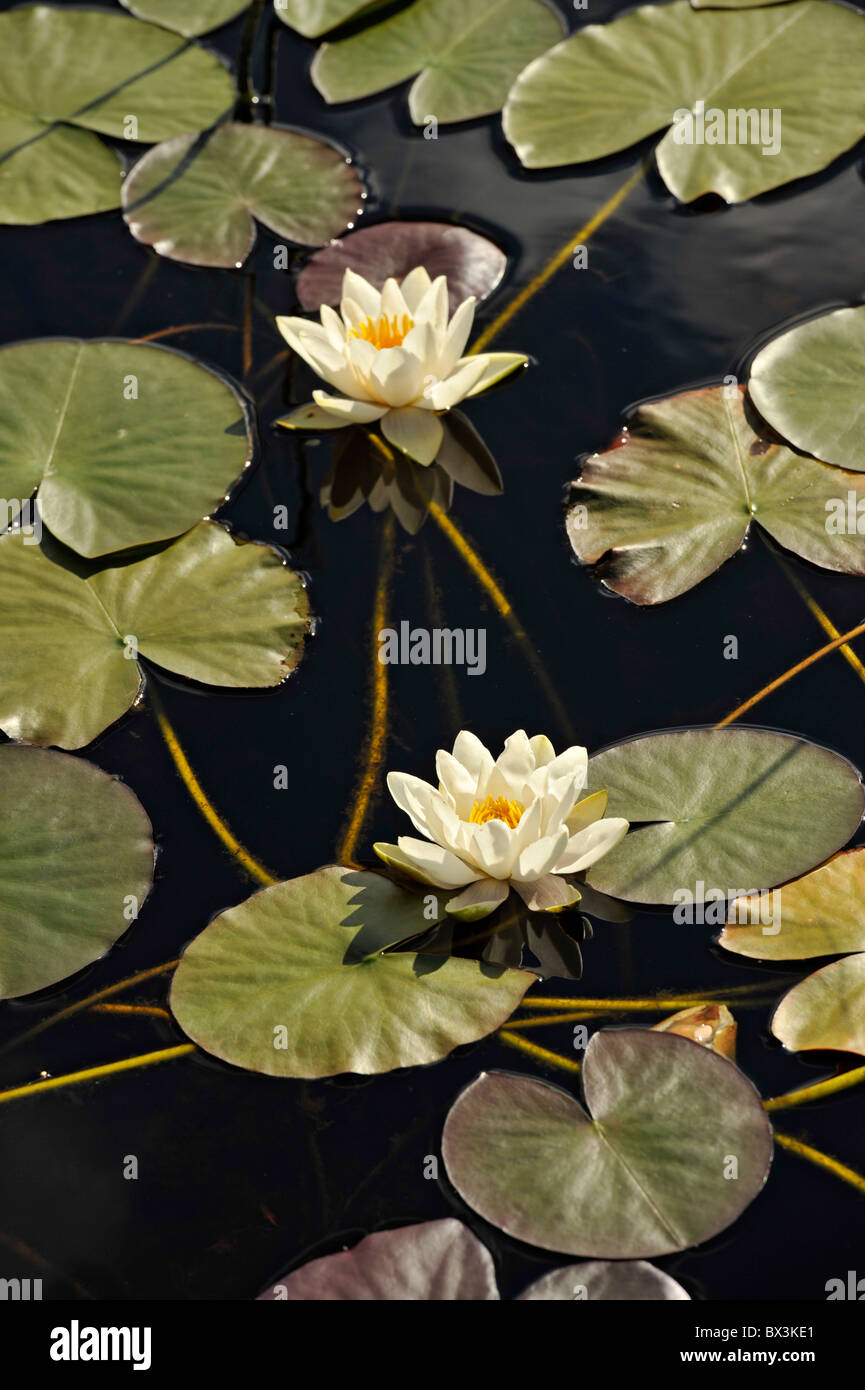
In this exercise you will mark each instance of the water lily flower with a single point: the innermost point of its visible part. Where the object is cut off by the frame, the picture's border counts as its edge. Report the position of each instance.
(495, 824)
(393, 356)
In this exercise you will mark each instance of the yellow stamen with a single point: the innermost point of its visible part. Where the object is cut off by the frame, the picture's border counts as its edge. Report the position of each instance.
(497, 808)
(384, 332)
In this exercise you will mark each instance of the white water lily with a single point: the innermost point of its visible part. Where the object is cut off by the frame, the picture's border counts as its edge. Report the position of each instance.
(395, 357)
(495, 824)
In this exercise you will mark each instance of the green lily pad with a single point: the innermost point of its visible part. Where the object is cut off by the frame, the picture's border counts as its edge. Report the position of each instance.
(819, 915)
(808, 384)
(76, 863)
(67, 73)
(466, 52)
(826, 1010)
(602, 1280)
(188, 17)
(314, 17)
(733, 809)
(672, 1146)
(296, 981)
(435, 1261)
(127, 442)
(610, 85)
(195, 198)
(676, 494)
(209, 608)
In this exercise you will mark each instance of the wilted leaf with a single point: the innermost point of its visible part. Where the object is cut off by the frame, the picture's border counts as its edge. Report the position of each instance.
(436, 1261)
(473, 264)
(639, 1172)
(195, 198)
(66, 73)
(710, 1025)
(676, 494)
(610, 85)
(466, 52)
(296, 981)
(826, 1010)
(208, 608)
(817, 915)
(127, 442)
(807, 384)
(76, 863)
(721, 808)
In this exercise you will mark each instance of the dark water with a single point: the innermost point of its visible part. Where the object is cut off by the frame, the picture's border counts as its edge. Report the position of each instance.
(242, 1176)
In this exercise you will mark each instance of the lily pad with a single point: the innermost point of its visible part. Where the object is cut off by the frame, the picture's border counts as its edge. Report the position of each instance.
(466, 52)
(76, 863)
(610, 85)
(473, 264)
(297, 981)
(646, 1168)
(722, 808)
(818, 915)
(807, 384)
(209, 608)
(195, 198)
(314, 17)
(826, 1010)
(127, 442)
(600, 1280)
(676, 494)
(435, 1261)
(188, 17)
(66, 73)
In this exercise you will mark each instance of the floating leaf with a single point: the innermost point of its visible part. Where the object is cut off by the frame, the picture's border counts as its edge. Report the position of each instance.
(296, 981)
(66, 73)
(826, 1010)
(127, 442)
(675, 496)
(710, 1025)
(435, 1261)
(473, 264)
(188, 17)
(599, 1280)
(807, 384)
(209, 608)
(639, 1172)
(314, 17)
(194, 198)
(733, 4)
(818, 915)
(721, 808)
(610, 85)
(76, 863)
(467, 53)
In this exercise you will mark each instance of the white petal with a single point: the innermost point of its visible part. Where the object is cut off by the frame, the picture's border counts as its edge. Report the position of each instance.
(415, 286)
(457, 386)
(394, 857)
(496, 366)
(312, 417)
(589, 845)
(543, 750)
(456, 337)
(433, 308)
(457, 781)
(438, 864)
(415, 432)
(333, 326)
(513, 767)
(393, 305)
(547, 894)
(473, 755)
(352, 313)
(396, 376)
(572, 763)
(479, 899)
(539, 858)
(361, 293)
(358, 412)
(302, 336)
(492, 848)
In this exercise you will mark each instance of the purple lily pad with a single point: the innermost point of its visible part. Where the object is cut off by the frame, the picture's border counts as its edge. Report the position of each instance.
(472, 263)
(436, 1261)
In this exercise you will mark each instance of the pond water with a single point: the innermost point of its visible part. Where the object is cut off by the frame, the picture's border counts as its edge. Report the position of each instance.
(241, 1176)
